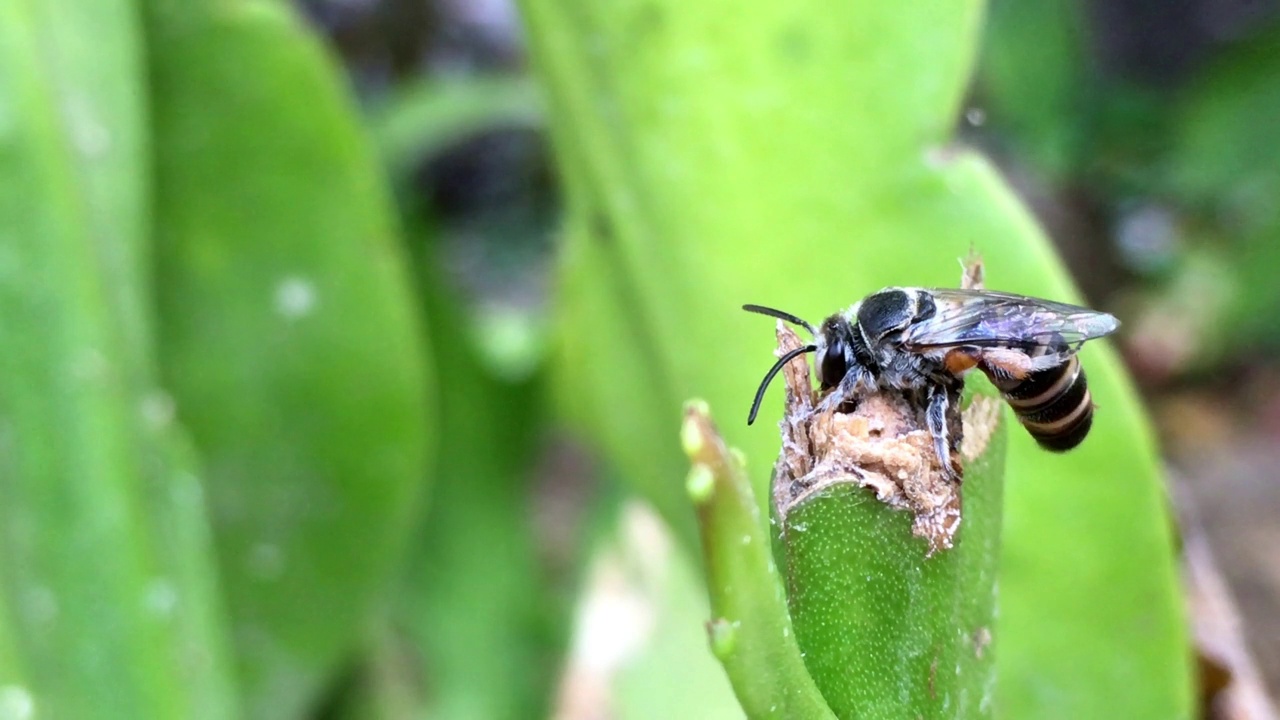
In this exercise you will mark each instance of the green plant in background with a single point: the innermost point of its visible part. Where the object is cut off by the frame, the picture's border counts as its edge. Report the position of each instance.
(800, 158)
(1222, 171)
(109, 597)
(1188, 145)
(288, 336)
(216, 402)
(495, 617)
(280, 320)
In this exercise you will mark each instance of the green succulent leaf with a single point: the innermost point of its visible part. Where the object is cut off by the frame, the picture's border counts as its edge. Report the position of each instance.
(1031, 81)
(476, 600)
(108, 576)
(799, 156)
(288, 335)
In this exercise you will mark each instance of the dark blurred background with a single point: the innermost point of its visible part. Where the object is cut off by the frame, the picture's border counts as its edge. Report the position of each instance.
(1145, 134)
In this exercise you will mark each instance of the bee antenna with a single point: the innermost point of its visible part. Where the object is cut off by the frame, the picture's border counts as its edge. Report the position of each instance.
(762, 310)
(764, 384)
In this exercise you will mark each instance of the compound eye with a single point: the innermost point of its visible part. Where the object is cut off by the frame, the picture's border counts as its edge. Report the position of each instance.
(832, 366)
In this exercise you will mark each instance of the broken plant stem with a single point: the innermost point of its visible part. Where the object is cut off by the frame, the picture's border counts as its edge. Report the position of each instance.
(891, 591)
(750, 631)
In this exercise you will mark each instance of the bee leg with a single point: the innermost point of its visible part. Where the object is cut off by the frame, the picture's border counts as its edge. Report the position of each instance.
(936, 417)
(856, 380)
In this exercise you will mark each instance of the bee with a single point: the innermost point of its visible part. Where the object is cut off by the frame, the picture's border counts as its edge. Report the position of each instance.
(922, 342)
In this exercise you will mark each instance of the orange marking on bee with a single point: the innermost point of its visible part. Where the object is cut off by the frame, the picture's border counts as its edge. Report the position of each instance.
(1013, 363)
(958, 361)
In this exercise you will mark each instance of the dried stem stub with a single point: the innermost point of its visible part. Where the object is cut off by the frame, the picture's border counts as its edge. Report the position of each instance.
(881, 444)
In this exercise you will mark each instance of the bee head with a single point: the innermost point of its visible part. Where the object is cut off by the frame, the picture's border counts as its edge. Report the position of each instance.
(892, 310)
(834, 351)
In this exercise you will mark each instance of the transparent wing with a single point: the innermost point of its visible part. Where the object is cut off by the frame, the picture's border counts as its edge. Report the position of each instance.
(983, 318)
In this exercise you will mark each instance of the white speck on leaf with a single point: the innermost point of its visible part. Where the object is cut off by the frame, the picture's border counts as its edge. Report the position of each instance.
(157, 408)
(161, 597)
(295, 297)
(91, 137)
(88, 364)
(16, 703)
(187, 490)
(266, 561)
(42, 604)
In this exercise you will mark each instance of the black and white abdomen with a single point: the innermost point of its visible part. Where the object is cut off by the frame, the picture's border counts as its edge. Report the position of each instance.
(1054, 405)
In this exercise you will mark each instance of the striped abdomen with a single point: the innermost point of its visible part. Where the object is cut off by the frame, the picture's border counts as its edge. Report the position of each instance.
(1054, 405)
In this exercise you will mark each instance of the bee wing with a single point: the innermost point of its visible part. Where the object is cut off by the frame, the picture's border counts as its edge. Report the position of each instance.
(983, 318)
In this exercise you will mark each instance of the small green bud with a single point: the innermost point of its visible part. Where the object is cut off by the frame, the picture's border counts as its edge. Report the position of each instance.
(724, 637)
(700, 483)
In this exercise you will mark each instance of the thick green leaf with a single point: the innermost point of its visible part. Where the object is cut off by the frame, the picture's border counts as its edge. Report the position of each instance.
(111, 162)
(1223, 161)
(288, 335)
(109, 572)
(475, 600)
(1072, 116)
(1033, 81)
(797, 157)
(750, 630)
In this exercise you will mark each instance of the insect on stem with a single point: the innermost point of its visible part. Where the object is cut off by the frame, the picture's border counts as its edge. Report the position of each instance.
(923, 340)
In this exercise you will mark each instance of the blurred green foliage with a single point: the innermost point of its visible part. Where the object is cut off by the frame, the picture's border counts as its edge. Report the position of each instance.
(496, 617)
(701, 175)
(288, 336)
(225, 163)
(1191, 141)
(110, 605)
(237, 481)
(1224, 168)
